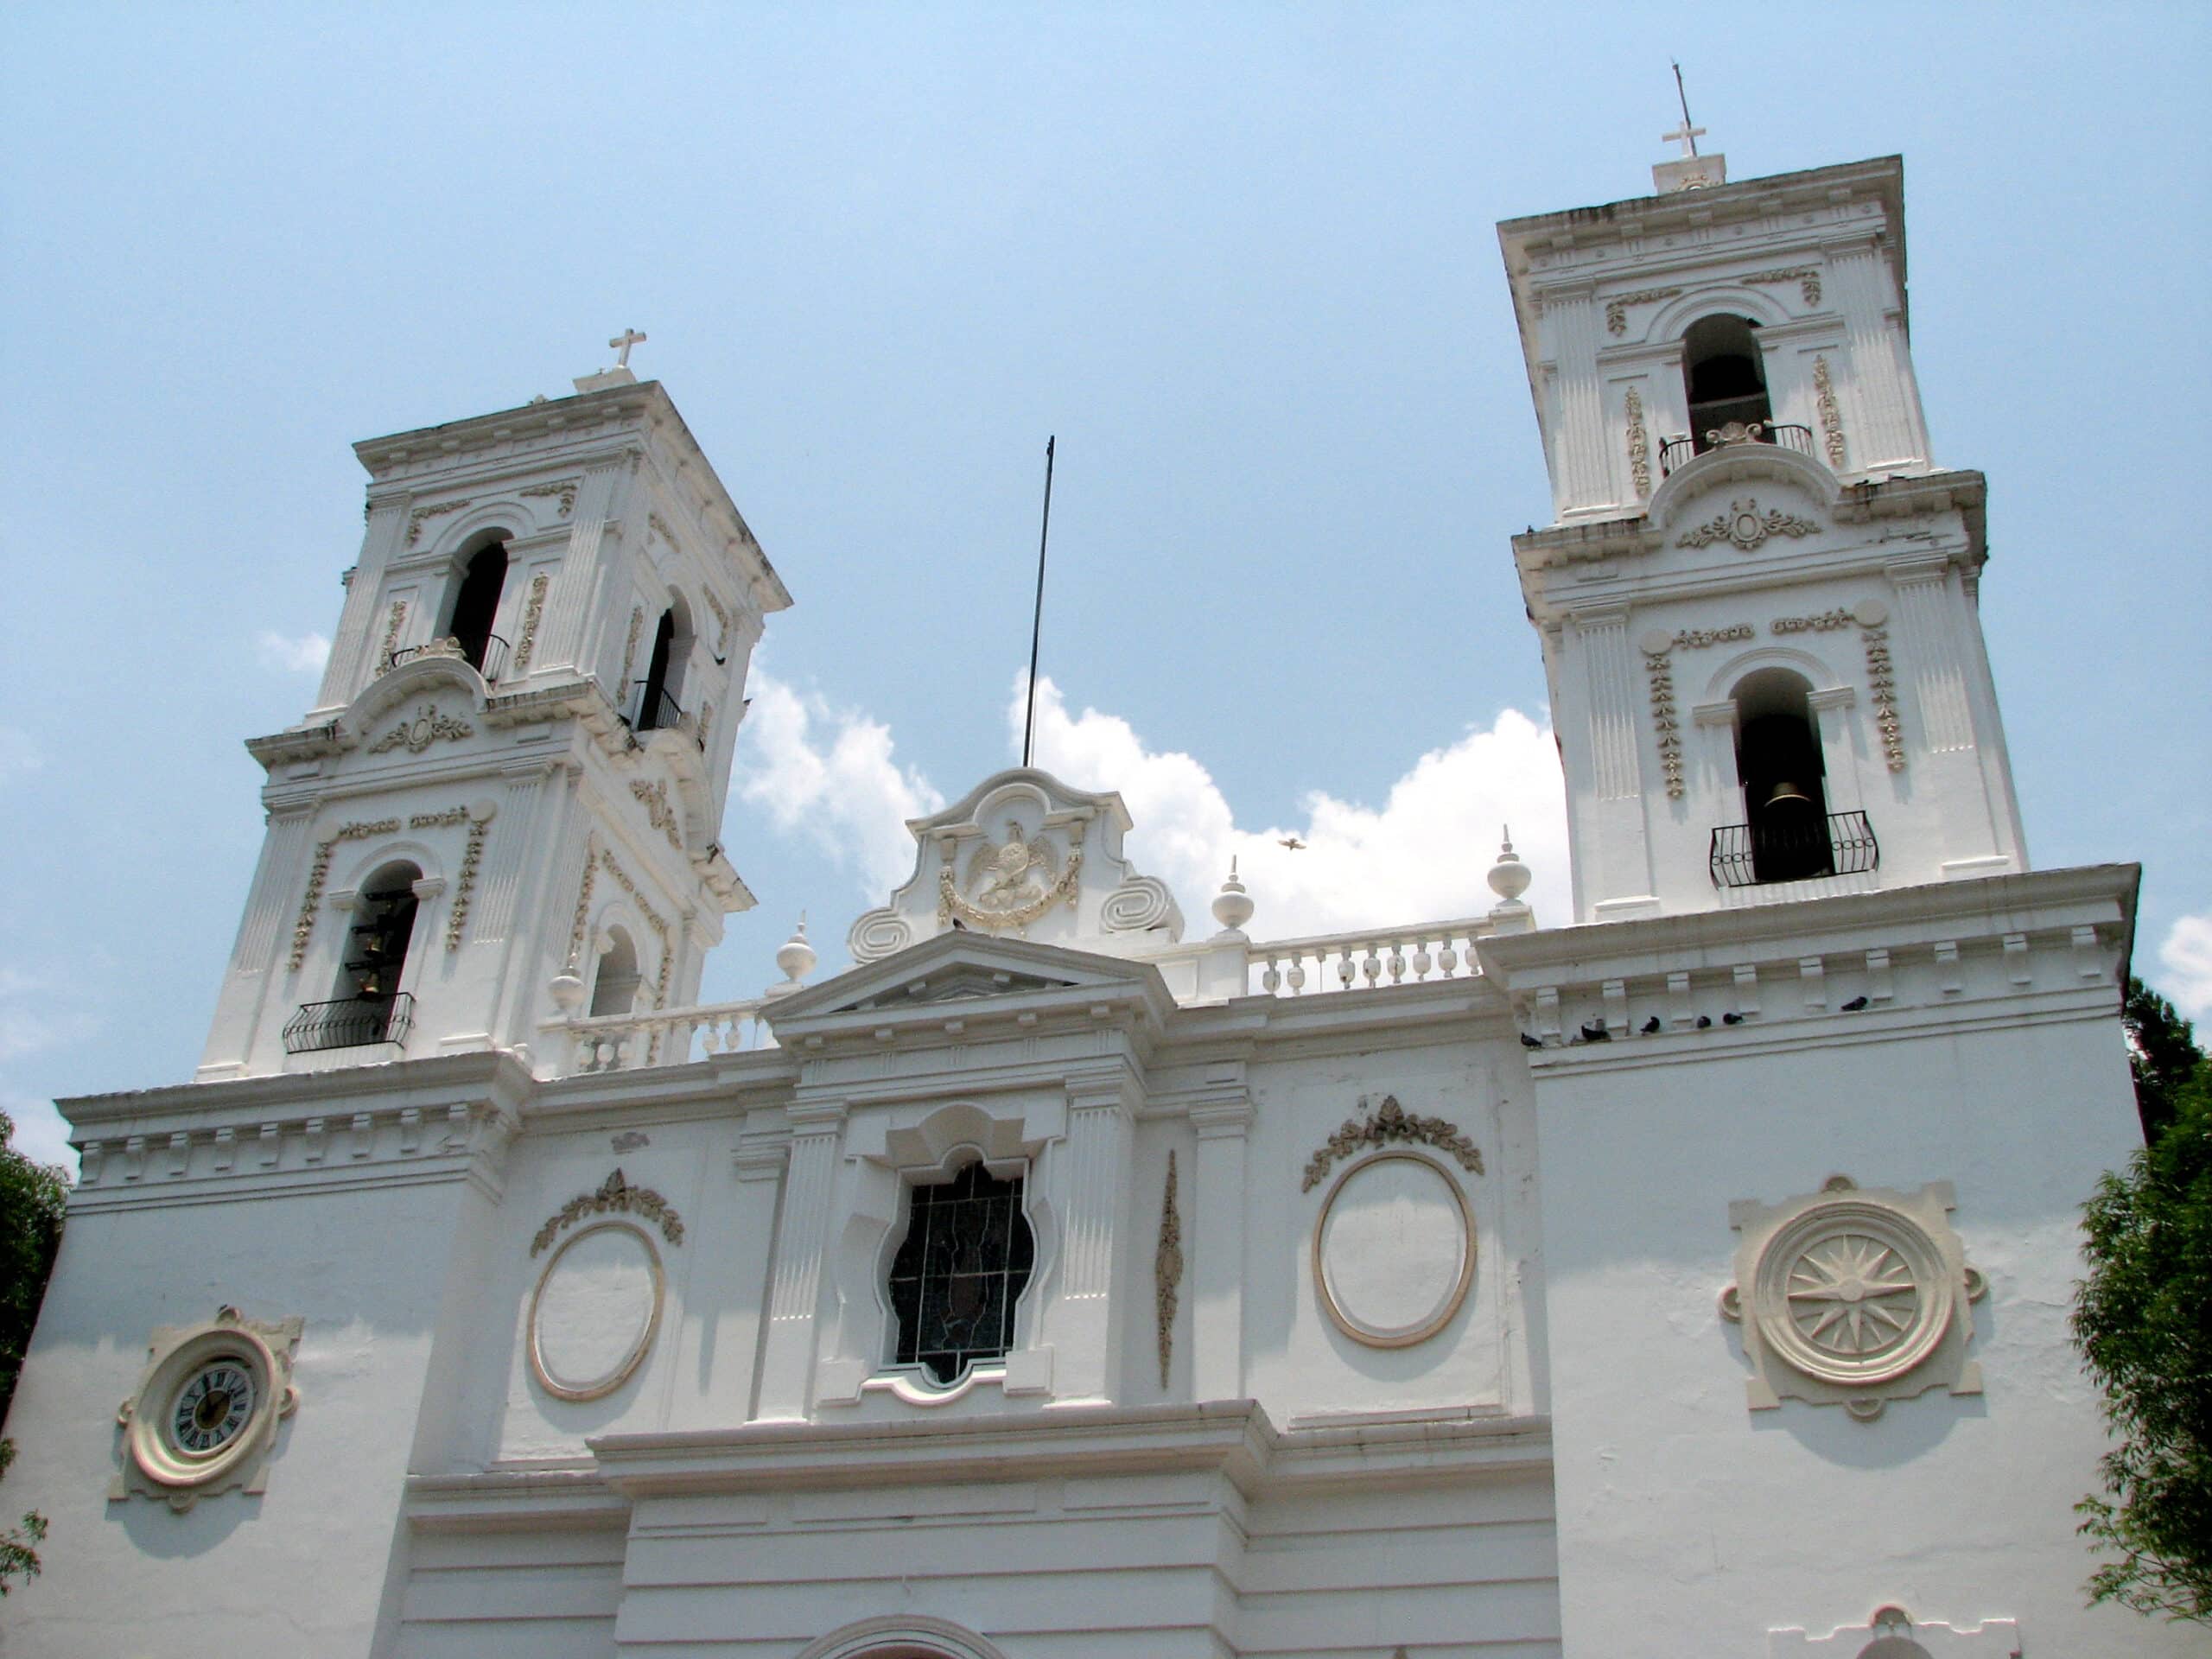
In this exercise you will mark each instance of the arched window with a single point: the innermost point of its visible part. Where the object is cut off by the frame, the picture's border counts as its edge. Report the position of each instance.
(1724, 377)
(476, 606)
(1779, 760)
(960, 1271)
(660, 693)
(615, 989)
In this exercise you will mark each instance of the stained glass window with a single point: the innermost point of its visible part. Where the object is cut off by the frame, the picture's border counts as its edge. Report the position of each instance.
(962, 1267)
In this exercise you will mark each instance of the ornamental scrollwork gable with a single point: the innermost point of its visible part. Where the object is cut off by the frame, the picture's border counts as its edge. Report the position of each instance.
(1852, 1296)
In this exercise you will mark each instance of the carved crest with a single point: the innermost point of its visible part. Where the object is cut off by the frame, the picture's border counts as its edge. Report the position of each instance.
(428, 727)
(1392, 1122)
(1009, 883)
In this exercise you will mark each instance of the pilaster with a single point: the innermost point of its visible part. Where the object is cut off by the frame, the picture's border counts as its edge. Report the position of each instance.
(1086, 1314)
(1584, 472)
(1886, 428)
(795, 1283)
(1217, 1203)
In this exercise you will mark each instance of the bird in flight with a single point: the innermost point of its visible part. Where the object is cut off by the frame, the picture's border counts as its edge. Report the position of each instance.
(1292, 843)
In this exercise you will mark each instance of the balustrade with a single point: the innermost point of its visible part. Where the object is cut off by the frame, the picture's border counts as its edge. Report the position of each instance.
(624, 1042)
(1345, 962)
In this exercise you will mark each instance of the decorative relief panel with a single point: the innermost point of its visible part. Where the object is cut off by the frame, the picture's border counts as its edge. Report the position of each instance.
(615, 1197)
(565, 490)
(422, 516)
(1617, 308)
(1394, 1250)
(1807, 278)
(204, 1417)
(653, 798)
(1746, 527)
(392, 624)
(1852, 1297)
(428, 727)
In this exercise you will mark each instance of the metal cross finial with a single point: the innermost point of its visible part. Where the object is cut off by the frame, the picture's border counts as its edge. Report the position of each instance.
(622, 342)
(1686, 135)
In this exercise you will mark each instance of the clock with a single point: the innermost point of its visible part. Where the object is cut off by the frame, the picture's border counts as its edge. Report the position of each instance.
(214, 1406)
(205, 1417)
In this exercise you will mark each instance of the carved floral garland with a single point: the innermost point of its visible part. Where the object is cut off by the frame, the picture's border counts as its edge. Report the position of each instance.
(1617, 308)
(653, 798)
(533, 607)
(566, 489)
(1665, 721)
(630, 647)
(1167, 1270)
(1639, 451)
(464, 886)
(950, 904)
(319, 872)
(1392, 1122)
(615, 1196)
(415, 519)
(1807, 279)
(1831, 416)
(721, 621)
(1882, 691)
(392, 633)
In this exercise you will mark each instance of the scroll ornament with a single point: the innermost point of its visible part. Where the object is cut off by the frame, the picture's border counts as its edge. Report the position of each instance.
(1391, 1123)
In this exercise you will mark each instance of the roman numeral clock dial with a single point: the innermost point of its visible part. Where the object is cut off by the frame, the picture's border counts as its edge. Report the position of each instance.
(214, 1406)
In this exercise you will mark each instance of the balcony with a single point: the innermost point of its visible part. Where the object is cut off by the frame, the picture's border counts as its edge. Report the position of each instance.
(349, 1022)
(1746, 855)
(658, 711)
(491, 663)
(1672, 452)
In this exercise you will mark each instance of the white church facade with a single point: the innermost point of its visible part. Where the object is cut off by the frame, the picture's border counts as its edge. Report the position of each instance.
(1071, 1279)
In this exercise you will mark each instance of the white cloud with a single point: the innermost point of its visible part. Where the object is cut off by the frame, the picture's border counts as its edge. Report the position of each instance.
(40, 1135)
(305, 655)
(1422, 855)
(2187, 955)
(830, 771)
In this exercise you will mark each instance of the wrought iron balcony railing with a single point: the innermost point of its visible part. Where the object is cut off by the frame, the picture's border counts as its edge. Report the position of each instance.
(1747, 855)
(349, 1022)
(657, 711)
(493, 665)
(1672, 452)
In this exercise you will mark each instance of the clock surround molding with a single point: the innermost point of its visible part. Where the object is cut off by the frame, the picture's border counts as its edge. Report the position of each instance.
(154, 1464)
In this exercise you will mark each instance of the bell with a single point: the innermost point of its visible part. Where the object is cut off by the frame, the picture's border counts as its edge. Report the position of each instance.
(1789, 798)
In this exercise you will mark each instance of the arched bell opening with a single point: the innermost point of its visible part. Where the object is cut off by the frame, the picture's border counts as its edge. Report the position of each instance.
(1778, 759)
(375, 956)
(476, 606)
(1725, 378)
(614, 987)
(660, 693)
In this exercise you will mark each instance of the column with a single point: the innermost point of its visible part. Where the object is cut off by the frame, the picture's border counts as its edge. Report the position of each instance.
(1217, 1230)
(361, 624)
(795, 1285)
(1086, 1317)
(1938, 731)
(566, 635)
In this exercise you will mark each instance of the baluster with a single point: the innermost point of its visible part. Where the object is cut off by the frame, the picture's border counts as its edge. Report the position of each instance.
(1422, 960)
(1372, 967)
(1297, 971)
(1397, 962)
(1269, 978)
(1446, 957)
(1347, 965)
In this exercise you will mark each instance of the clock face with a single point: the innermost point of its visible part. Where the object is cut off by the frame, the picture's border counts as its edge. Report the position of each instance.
(214, 1406)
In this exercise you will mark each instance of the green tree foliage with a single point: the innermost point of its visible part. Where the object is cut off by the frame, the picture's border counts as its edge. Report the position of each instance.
(2161, 1050)
(32, 1200)
(2142, 1322)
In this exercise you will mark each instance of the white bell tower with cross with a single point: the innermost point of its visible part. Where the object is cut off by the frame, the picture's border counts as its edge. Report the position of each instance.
(504, 811)
(1757, 597)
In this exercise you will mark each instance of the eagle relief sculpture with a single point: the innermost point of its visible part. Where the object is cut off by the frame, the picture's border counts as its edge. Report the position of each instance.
(1008, 883)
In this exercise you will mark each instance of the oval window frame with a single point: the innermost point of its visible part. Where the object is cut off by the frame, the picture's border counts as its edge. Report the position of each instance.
(1447, 1308)
(601, 1387)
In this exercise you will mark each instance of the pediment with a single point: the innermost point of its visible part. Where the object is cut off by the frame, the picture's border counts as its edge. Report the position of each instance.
(1745, 496)
(964, 967)
(424, 677)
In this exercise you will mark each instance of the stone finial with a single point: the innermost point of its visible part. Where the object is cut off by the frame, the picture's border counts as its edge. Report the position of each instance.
(797, 958)
(1232, 906)
(1508, 877)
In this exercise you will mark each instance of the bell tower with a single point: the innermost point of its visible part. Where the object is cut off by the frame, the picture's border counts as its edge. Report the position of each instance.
(1757, 594)
(507, 799)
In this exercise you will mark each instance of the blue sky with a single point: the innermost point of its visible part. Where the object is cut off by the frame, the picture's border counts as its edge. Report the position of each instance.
(1240, 259)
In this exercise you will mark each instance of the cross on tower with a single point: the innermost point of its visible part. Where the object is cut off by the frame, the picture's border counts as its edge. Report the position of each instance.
(624, 341)
(1686, 135)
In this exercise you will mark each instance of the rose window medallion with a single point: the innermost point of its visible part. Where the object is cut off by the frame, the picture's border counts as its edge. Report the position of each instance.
(1852, 1297)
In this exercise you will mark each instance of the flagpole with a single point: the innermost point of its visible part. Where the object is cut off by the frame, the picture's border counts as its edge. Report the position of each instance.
(1037, 621)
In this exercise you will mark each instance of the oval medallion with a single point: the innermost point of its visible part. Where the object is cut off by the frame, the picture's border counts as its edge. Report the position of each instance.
(1394, 1250)
(596, 1307)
